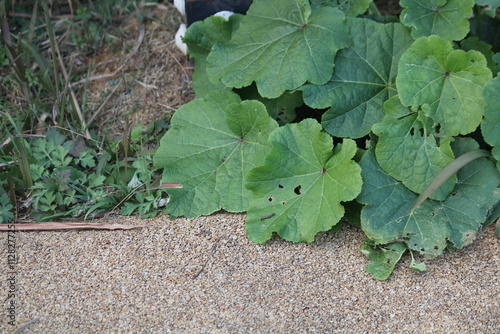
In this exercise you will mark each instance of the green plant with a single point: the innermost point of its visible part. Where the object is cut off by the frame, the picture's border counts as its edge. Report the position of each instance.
(398, 103)
(5, 209)
(51, 162)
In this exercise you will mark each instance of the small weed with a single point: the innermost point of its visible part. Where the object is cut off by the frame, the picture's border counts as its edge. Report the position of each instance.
(53, 165)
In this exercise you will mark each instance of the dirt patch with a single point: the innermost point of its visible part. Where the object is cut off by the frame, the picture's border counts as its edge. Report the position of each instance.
(145, 84)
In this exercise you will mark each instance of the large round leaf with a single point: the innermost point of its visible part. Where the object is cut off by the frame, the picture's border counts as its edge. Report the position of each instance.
(450, 82)
(280, 45)
(213, 142)
(432, 226)
(297, 192)
(364, 77)
(445, 18)
(407, 149)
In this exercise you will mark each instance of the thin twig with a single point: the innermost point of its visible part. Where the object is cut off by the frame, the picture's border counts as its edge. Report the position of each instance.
(101, 107)
(73, 95)
(26, 324)
(214, 247)
(178, 63)
(105, 76)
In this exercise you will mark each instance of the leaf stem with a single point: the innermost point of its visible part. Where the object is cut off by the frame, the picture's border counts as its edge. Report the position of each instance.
(373, 9)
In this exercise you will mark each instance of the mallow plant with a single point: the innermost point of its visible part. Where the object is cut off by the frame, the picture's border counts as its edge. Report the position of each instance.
(308, 112)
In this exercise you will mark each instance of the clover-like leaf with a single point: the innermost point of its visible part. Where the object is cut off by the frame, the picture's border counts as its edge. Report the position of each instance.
(212, 143)
(200, 38)
(432, 226)
(349, 7)
(408, 151)
(364, 77)
(297, 192)
(280, 45)
(445, 18)
(449, 81)
(5, 209)
(491, 123)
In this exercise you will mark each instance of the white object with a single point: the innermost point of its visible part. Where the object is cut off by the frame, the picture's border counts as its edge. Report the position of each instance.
(181, 6)
(224, 14)
(178, 39)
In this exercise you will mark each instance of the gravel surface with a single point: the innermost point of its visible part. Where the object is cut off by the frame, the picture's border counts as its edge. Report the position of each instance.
(204, 276)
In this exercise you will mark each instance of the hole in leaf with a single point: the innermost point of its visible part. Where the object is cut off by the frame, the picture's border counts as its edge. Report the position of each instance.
(436, 247)
(283, 203)
(223, 159)
(453, 193)
(280, 186)
(388, 261)
(270, 199)
(297, 190)
(241, 139)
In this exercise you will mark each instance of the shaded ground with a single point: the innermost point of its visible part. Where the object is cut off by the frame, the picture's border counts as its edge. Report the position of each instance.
(149, 83)
(204, 276)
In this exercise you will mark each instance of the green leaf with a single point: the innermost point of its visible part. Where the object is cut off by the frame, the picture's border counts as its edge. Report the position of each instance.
(200, 38)
(473, 43)
(364, 77)
(280, 45)
(383, 259)
(297, 192)
(86, 159)
(490, 127)
(282, 109)
(493, 4)
(212, 143)
(445, 18)
(349, 7)
(5, 209)
(135, 134)
(446, 173)
(433, 225)
(449, 82)
(407, 149)
(494, 215)
(414, 265)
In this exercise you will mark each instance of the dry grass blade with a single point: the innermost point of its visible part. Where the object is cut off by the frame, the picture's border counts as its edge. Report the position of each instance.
(445, 174)
(106, 76)
(52, 226)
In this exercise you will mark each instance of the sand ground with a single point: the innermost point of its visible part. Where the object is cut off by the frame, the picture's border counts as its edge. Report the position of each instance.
(204, 276)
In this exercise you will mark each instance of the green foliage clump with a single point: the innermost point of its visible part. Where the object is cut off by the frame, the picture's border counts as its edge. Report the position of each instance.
(376, 112)
(69, 179)
(52, 165)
